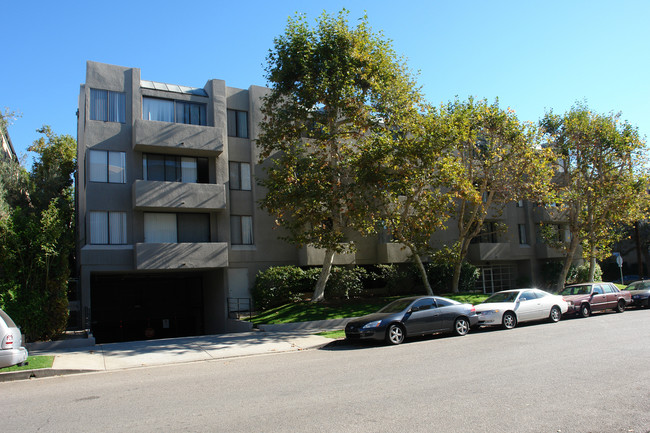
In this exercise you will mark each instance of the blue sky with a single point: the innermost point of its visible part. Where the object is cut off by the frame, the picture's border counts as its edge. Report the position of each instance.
(532, 55)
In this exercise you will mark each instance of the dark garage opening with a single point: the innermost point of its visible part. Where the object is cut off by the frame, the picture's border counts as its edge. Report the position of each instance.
(144, 307)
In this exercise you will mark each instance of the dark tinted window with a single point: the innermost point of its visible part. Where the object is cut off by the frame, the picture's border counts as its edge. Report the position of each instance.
(598, 290)
(423, 304)
(528, 295)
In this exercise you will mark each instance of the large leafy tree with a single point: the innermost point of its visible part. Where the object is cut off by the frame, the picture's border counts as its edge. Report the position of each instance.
(498, 162)
(37, 236)
(601, 183)
(406, 185)
(334, 90)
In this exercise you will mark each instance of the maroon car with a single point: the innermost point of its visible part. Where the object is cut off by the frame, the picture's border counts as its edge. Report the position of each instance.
(585, 298)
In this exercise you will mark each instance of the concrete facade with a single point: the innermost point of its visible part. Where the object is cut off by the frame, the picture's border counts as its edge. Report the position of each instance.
(122, 260)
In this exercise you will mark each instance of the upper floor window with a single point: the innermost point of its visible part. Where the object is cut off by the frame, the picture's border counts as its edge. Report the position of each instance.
(237, 123)
(107, 166)
(172, 168)
(240, 175)
(107, 228)
(241, 230)
(176, 227)
(107, 106)
(523, 238)
(167, 110)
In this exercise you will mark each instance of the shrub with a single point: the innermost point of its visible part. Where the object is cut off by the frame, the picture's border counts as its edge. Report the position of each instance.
(346, 283)
(580, 274)
(278, 285)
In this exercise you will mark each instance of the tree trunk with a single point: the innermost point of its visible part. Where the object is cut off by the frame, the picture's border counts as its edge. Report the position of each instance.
(423, 273)
(573, 246)
(592, 265)
(319, 291)
(458, 265)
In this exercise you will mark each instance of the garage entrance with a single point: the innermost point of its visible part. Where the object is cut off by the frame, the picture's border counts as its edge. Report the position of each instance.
(142, 307)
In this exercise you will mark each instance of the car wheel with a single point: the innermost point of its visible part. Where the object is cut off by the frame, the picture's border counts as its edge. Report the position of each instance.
(620, 307)
(509, 320)
(585, 310)
(461, 326)
(556, 314)
(394, 334)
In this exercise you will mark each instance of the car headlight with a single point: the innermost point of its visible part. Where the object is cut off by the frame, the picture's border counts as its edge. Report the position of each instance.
(490, 312)
(370, 325)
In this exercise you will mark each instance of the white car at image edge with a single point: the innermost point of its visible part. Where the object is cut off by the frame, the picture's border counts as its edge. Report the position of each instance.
(11, 340)
(509, 307)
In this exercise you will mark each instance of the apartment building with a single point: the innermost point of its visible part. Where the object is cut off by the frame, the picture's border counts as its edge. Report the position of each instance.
(169, 234)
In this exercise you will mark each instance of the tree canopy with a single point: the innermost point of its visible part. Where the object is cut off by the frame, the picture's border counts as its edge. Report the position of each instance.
(601, 180)
(334, 90)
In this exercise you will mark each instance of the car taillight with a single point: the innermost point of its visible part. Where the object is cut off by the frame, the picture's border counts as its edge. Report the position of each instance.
(8, 341)
(473, 310)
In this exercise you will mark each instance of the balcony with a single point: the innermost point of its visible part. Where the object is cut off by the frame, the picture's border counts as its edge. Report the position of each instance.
(489, 251)
(392, 252)
(310, 256)
(161, 196)
(543, 251)
(206, 255)
(548, 214)
(177, 138)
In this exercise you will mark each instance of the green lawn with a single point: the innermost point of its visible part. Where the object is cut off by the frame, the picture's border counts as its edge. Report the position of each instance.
(35, 362)
(304, 311)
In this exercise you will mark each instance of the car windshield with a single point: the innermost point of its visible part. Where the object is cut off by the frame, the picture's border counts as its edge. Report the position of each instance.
(396, 306)
(576, 290)
(639, 285)
(501, 297)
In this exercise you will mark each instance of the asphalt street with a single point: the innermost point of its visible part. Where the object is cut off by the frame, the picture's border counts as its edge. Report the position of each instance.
(578, 375)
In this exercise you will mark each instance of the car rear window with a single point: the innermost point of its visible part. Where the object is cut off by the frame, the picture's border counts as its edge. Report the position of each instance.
(10, 323)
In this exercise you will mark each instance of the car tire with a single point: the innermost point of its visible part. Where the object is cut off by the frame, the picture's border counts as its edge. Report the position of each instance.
(555, 314)
(461, 326)
(585, 310)
(394, 334)
(620, 307)
(509, 320)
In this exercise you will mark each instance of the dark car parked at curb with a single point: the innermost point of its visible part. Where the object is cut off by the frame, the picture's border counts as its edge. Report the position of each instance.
(585, 298)
(407, 317)
(640, 291)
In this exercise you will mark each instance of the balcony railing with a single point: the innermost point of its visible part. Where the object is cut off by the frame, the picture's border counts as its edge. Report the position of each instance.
(156, 195)
(199, 255)
(177, 138)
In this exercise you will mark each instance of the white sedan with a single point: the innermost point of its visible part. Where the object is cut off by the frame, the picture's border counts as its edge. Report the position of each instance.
(510, 307)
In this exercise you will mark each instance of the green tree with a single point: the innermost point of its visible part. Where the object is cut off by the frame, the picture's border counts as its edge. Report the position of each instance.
(406, 182)
(334, 88)
(498, 162)
(38, 237)
(600, 181)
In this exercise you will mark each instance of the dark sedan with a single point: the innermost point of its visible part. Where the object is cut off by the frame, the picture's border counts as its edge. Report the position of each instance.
(640, 291)
(418, 315)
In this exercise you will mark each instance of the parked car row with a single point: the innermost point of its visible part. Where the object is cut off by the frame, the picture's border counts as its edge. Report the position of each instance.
(420, 315)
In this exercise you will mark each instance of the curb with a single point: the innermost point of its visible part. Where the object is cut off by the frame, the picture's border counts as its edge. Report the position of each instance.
(315, 325)
(11, 376)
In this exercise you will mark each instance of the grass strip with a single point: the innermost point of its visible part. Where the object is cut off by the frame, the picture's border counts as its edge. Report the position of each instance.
(34, 363)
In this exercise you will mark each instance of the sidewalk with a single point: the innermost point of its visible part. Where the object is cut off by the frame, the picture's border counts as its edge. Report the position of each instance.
(118, 356)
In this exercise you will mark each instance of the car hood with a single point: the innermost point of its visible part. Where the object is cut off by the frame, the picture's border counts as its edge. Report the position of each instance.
(375, 316)
(494, 306)
(575, 297)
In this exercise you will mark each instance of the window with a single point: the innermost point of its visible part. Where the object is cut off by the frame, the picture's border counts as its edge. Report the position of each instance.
(241, 230)
(423, 304)
(520, 203)
(237, 123)
(106, 166)
(107, 228)
(527, 296)
(240, 176)
(487, 235)
(176, 228)
(107, 106)
(523, 239)
(173, 168)
(168, 110)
